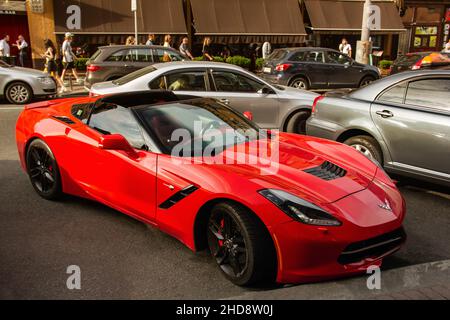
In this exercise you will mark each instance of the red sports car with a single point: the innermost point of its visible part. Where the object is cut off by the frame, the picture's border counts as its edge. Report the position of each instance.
(317, 210)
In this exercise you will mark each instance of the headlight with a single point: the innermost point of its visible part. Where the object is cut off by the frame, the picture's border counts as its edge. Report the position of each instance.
(46, 80)
(299, 209)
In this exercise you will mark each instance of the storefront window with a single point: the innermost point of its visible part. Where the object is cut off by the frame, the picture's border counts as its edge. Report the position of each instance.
(425, 37)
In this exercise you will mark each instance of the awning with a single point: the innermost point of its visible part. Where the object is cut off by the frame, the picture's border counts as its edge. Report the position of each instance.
(12, 7)
(245, 21)
(115, 17)
(346, 16)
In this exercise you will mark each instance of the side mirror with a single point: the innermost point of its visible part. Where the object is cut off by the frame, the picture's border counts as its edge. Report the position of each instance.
(265, 91)
(117, 142)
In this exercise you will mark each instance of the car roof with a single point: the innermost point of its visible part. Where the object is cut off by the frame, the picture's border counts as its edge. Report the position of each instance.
(370, 92)
(140, 46)
(195, 64)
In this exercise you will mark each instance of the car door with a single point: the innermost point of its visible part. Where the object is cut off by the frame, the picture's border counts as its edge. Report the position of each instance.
(312, 64)
(414, 120)
(341, 71)
(112, 176)
(244, 93)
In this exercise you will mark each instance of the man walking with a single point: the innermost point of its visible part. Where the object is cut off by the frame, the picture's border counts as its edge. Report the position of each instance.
(184, 48)
(5, 50)
(22, 46)
(345, 47)
(69, 58)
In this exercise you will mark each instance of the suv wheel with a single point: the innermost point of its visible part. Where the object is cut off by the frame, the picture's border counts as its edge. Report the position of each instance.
(366, 81)
(300, 83)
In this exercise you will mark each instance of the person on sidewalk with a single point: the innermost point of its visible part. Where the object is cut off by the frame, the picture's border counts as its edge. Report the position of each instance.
(5, 50)
(69, 58)
(207, 55)
(184, 48)
(51, 66)
(22, 46)
(168, 41)
(345, 47)
(151, 40)
(131, 41)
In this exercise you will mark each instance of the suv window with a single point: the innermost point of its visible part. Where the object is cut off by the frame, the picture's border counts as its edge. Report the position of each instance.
(233, 82)
(117, 56)
(395, 94)
(429, 93)
(186, 81)
(298, 56)
(140, 55)
(340, 58)
(113, 119)
(162, 55)
(315, 56)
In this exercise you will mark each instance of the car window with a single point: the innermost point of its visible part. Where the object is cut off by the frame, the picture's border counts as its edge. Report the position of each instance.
(186, 81)
(314, 56)
(164, 55)
(118, 56)
(395, 94)
(158, 84)
(339, 58)
(298, 56)
(429, 93)
(233, 82)
(140, 55)
(113, 119)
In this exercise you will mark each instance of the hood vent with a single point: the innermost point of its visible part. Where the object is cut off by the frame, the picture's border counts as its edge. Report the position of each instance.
(327, 171)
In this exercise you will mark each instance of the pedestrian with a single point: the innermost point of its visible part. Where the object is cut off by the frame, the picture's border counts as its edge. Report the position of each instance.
(131, 41)
(151, 40)
(447, 47)
(167, 41)
(22, 46)
(51, 65)
(207, 55)
(5, 50)
(253, 51)
(226, 52)
(69, 58)
(345, 47)
(184, 48)
(266, 50)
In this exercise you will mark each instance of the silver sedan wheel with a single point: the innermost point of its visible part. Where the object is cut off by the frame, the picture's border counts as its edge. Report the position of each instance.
(19, 93)
(364, 151)
(299, 84)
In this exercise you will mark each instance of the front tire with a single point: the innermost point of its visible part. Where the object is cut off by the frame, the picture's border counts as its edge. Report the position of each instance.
(241, 245)
(368, 146)
(43, 170)
(297, 123)
(366, 81)
(19, 93)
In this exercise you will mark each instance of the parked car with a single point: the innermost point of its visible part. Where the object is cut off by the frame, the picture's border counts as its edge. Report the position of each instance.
(421, 60)
(402, 121)
(321, 197)
(317, 68)
(272, 106)
(113, 62)
(21, 85)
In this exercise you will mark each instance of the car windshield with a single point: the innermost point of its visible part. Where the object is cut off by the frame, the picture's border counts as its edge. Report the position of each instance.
(187, 129)
(4, 64)
(134, 75)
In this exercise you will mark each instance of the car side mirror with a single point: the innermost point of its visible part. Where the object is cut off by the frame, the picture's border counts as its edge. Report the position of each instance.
(265, 91)
(117, 142)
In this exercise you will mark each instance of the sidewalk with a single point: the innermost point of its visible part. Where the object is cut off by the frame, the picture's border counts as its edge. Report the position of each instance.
(420, 282)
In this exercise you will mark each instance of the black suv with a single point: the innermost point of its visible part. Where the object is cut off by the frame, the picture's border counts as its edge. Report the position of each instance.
(113, 62)
(317, 68)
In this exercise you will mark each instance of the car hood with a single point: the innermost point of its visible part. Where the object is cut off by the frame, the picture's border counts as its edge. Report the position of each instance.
(28, 72)
(288, 169)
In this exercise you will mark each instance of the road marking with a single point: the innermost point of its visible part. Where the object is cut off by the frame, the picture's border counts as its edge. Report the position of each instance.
(10, 108)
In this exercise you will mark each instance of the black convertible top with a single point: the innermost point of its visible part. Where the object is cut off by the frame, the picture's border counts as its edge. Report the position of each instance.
(134, 99)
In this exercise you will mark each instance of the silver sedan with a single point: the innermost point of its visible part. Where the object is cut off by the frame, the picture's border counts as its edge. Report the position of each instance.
(272, 106)
(402, 122)
(21, 85)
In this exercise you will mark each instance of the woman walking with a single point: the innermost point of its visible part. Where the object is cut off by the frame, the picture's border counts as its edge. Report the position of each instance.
(207, 56)
(51, 64)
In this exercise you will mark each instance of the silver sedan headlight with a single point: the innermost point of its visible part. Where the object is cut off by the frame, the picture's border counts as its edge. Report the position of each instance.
(46, 80)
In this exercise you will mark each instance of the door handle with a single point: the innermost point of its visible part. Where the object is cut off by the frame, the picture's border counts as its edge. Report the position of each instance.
(226, 101)
(385, 114)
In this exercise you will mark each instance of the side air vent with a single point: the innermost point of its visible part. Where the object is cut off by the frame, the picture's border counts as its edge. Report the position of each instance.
(327, 171)
(64, 119)
(177, 197)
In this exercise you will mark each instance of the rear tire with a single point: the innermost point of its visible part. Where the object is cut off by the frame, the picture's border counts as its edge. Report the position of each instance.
(18, 93)
(368, 146)
(297, 123)
(43, 171)
(300, 83)
(241, 246)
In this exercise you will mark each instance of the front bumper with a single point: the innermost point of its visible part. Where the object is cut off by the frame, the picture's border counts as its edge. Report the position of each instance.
(311, 253)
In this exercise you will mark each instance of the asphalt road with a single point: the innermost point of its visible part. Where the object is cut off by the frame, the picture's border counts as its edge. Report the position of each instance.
(121, 258)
